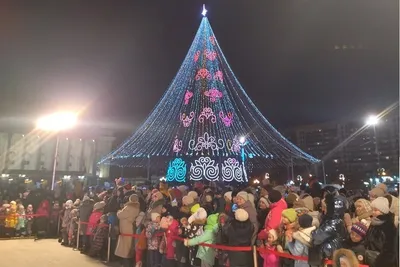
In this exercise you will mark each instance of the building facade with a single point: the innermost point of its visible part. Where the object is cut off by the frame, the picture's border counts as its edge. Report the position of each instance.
(347, 150)
(25, 154)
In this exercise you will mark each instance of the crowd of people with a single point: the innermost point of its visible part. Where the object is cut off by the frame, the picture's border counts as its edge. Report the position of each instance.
(177, 226)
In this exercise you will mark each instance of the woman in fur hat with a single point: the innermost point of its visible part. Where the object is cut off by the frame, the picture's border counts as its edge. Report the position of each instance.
(127, 217)
(344, 258)
(380, 239)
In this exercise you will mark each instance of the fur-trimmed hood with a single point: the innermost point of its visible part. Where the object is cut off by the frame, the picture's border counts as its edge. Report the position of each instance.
(348, 254)
(304, 235)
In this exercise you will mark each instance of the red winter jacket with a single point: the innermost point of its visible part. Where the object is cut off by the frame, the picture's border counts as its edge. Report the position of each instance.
(273, 219)
(94, 219)
(171, 233)
(43, 209)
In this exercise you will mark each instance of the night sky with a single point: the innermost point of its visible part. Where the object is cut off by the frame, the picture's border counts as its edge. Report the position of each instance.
(116, 58)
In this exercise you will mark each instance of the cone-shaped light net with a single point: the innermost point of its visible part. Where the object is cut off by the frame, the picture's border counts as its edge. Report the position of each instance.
(206, 112)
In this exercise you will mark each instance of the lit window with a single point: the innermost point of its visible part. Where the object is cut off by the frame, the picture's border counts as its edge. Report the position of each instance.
(335, 160)
(387, 157)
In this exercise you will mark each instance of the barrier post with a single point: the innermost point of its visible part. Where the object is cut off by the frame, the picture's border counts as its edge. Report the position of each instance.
(58, 225)
(78, 234)
(109, 243)
(255, 256)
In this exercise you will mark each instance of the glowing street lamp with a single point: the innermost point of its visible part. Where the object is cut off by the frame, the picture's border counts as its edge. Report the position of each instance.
(372, 120)
(57, 122)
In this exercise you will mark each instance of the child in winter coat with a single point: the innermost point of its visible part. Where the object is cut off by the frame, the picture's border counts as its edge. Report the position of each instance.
(300, 241)
(356, 242)
(271, 260)
(206, 254)
(153, 240)
(66, 222)
(196, 228)
(182, 252)
(172, 229)
(100, 237)
(11, 219)
(20, 228)
(29, 219)
(288, 227)
(73, 227)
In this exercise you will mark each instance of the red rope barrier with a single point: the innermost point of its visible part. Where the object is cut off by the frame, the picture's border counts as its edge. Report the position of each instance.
(94, 224)
(230, 248)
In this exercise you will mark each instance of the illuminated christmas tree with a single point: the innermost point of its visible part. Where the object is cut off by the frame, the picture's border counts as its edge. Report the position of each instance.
(206, 126)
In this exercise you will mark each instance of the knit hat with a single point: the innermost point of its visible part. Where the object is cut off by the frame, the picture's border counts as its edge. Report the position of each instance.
(158, 195)
(194, 208)
(265, 201)
(134, 198)
(381, 204)
(128, 187)
(99, 205)
(243, 195)
(274, 196)
(251, 199)
(154, 216)
(377, 192)
(299, 204)
(366, 209)
(274, 233)
(241, 215)
(228, 195)
(182, 188)
(359, 229)
(290, 214)
(77, 202)
(68, 203)
(291, 198)
(193, 194)
(308, 202)
(200, 214)
(187, 200)
(305, 221)
(383, 187)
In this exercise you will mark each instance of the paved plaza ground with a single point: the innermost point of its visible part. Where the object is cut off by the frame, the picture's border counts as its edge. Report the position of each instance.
(43, 253)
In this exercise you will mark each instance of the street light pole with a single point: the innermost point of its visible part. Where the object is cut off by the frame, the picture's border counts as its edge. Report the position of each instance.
(55, 123)
(55, 163)
(378, 157)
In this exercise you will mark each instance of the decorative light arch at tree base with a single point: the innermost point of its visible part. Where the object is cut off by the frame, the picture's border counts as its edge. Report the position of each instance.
(206, 168)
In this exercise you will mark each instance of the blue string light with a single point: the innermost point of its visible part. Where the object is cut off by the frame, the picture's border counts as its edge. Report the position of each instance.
(206, 87)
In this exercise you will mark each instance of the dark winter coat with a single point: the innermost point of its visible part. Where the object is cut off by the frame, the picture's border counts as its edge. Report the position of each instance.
(85, 210)
(381, 237)
(332, 233)
(247, 206)
(100, 237)
(239, 234)
(358, 249)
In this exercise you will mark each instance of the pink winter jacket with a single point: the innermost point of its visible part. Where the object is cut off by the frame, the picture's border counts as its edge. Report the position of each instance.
(270, 260)
(273, 219)
(171, 233)
(93, 220)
